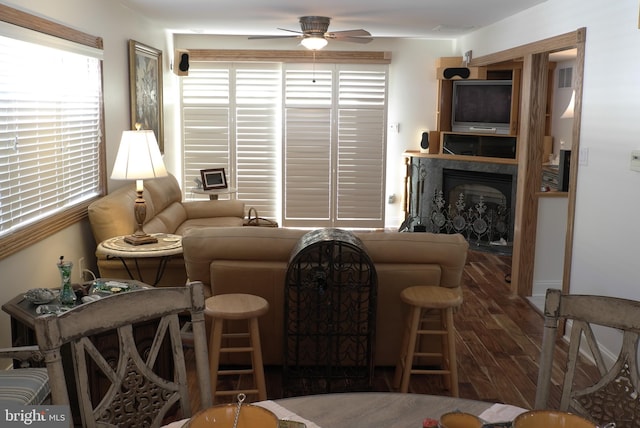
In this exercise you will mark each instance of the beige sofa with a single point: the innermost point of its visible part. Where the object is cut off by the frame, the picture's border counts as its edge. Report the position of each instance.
(255, 260)
(113, 215)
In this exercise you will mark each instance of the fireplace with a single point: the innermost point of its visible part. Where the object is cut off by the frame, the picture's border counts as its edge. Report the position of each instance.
(475, 199)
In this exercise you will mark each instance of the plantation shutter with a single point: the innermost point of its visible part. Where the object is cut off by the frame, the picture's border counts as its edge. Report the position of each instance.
(361, 147)
(307, 157)
(335, 137)
(231, 120)
(50, 128)
(206, 120)
(258, 106)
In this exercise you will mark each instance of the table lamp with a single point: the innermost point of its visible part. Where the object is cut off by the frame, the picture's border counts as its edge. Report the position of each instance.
(139, 158)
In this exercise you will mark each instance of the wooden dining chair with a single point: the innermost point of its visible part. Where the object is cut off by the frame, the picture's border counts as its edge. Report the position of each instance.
(613, 396)
(133, 392)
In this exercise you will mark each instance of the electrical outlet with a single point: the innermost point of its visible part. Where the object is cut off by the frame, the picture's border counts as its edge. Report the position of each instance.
(81, 268)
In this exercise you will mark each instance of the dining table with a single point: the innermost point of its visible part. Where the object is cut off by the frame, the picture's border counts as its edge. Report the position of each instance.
(378, 409)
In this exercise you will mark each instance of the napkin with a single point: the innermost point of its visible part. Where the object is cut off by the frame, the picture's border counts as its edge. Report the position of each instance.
(501, 413)
(283, 413)
(176, 424)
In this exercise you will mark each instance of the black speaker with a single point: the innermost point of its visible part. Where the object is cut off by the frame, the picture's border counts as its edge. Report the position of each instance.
(451, 72)
(184, 61)
(181, 62)
(424, 141)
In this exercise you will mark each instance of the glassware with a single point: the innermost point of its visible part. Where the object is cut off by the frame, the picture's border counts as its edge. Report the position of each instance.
(67, 295)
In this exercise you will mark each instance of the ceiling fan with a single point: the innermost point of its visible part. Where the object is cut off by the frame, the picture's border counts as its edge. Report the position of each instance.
(315, 36)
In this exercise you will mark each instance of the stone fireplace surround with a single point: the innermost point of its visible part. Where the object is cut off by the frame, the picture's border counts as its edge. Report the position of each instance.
(433, 170)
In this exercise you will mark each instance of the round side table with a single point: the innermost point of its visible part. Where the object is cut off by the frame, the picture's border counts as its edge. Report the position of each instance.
(168, 245)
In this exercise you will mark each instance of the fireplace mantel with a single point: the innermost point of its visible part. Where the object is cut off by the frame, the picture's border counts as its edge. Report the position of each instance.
(425, 181)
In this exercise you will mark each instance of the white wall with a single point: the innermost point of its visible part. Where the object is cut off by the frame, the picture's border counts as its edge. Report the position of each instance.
(550, 243)
(35, 266)
(605, 256)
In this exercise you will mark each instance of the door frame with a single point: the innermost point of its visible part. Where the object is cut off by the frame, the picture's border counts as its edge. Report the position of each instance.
(535, 57)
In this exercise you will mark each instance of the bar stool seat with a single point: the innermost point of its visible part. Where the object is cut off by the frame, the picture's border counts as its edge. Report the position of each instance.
(421, 300)
(236, 306)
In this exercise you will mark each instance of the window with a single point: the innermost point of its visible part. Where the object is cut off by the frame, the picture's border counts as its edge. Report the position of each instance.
(50, 133)
(315, 133)
(230, 116)
(334, 141)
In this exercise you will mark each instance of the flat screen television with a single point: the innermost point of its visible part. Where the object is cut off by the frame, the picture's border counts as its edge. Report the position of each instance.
(481, 106)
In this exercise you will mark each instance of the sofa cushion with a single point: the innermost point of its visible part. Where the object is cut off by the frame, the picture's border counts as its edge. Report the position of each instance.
(419, 249)
(24, 387)
(160, 193)
(167, 220)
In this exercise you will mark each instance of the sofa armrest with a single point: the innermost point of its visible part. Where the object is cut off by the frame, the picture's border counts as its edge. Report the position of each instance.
(219, 208)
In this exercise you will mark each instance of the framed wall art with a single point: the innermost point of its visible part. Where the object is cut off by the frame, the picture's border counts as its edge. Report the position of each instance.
(145, 83)
(214, 178)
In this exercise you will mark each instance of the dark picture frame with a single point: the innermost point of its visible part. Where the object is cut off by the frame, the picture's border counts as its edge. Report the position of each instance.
(213, 178)
(145, 87)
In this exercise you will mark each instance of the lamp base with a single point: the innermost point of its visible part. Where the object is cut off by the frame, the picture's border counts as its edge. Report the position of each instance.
(140, 239)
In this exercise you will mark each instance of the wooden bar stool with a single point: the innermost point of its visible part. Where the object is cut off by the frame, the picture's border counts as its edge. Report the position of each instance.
(422, 300)
(225, 307)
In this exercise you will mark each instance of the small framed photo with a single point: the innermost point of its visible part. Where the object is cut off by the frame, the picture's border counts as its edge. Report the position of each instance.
(213, 179)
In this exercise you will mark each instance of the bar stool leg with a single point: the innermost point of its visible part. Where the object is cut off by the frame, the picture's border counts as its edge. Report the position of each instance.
(451, 360)
(215, 344)
(415, 313)
(397, 377)
(256, 357)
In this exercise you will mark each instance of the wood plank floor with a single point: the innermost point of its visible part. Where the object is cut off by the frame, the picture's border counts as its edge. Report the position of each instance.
(498, 343)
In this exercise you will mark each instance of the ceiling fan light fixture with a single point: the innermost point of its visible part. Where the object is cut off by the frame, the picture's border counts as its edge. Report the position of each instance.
(314, 43)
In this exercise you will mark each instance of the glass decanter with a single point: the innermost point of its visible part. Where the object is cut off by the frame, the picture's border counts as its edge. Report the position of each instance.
(67, 295)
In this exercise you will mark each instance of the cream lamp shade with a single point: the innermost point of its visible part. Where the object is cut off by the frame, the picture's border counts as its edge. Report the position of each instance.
(139, 158)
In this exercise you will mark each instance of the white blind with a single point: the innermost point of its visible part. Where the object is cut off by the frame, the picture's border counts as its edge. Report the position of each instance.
(231, 116)
(205, 121)
(361, 146)
(50, 122)
(335, 137)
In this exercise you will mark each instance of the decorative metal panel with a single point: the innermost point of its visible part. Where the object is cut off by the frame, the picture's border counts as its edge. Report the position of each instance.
(330, 312)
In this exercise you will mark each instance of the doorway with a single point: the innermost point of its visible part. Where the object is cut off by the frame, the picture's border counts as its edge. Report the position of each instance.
(535, 79)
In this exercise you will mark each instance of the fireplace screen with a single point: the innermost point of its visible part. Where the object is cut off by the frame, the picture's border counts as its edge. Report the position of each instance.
(481, 223)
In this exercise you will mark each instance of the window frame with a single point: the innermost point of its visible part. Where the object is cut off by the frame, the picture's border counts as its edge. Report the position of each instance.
(32, 233)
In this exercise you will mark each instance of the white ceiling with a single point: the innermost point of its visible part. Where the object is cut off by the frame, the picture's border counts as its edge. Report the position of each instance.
(439, 19)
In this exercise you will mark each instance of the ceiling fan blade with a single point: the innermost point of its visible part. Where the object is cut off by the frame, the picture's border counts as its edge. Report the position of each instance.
(291, 31)
(273, 37)
(350, 33)
(353, 39)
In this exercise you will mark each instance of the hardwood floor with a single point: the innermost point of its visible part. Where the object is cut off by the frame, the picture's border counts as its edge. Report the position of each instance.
(498, 343)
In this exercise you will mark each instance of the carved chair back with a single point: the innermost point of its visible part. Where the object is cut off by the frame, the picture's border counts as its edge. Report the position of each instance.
(613, 396)
(134, 392)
